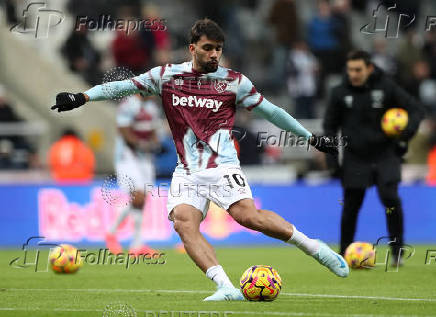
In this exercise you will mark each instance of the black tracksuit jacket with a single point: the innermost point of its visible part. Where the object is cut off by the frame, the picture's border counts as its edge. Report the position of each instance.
(357, 112)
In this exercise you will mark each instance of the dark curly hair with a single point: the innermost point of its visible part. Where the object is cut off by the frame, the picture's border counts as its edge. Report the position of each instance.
(206, 27)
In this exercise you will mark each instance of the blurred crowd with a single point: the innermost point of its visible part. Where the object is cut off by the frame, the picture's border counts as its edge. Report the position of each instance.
(288, 49)
(16, 152)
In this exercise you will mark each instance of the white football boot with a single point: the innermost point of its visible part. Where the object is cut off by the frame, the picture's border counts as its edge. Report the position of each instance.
(226, 293)
(333, 261)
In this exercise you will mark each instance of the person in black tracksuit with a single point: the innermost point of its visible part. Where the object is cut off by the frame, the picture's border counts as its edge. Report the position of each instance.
(370, 157)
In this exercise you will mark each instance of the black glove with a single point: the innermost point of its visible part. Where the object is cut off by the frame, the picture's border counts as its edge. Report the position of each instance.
(66, 101)
(324, 144)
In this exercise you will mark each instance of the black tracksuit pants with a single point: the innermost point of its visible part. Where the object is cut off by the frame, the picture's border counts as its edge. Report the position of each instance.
(353, 198)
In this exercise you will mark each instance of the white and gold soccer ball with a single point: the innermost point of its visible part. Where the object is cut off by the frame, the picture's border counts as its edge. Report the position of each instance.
(260, 283)
(65, 259)
(360, 255)
(394, 121)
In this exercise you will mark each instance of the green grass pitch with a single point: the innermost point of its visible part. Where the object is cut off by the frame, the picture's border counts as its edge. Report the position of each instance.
(308, 288)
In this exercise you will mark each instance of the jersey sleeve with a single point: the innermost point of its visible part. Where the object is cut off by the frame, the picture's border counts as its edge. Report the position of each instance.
(150, 83)
(280, 118)
(147, 84)
(247, 96)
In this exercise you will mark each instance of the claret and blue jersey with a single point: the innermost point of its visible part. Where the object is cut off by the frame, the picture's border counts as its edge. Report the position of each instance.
(200, 108)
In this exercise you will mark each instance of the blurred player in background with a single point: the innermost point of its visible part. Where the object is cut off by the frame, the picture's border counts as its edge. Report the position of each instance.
(137, 121)
(200, 99)
(370, 157)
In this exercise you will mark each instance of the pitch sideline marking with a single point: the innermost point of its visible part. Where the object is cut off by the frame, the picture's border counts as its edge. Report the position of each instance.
(207, 292)
(227, 311)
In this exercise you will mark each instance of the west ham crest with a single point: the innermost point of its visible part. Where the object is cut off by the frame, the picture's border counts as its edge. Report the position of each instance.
(220, 85)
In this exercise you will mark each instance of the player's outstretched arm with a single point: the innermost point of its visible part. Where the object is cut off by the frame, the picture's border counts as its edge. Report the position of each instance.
(285, 121)
(249, 98)
(66, 101)
(148, 84)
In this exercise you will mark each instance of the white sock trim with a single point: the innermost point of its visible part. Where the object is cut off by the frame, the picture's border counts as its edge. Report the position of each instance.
(216, 273)
(301, 241)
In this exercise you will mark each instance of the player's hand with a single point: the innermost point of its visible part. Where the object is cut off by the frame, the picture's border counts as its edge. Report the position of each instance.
(66, 101)
(324, 144)
(401, 148)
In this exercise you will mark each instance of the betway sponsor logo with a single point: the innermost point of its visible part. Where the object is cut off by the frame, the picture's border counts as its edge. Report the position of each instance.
(194, 101)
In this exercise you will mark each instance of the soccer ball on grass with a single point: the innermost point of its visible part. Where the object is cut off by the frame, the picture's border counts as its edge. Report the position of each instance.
(65, 259)
(260, 283)
(360, 255)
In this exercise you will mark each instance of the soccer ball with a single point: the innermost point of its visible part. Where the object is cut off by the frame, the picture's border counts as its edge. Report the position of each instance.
(260, 283)
(394, 121)
(65, 259)
(360, 255)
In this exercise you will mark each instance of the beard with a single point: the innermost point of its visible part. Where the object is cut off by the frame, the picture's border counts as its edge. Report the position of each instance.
(209, 67)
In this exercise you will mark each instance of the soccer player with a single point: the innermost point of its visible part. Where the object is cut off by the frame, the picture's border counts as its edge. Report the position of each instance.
(200, 99)
(137, 120)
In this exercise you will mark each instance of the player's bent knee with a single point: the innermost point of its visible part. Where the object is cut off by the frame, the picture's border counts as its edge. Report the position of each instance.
(246, 214)
(186, 219)
(180, 226)
(185, 229)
